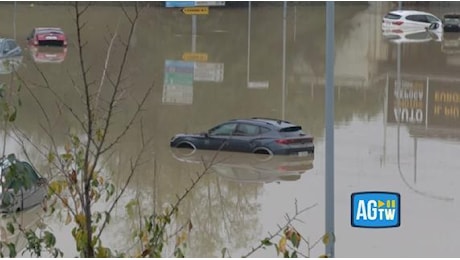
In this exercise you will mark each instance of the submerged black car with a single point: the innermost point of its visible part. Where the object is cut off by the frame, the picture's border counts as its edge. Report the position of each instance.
(255, 135)
(451, 23)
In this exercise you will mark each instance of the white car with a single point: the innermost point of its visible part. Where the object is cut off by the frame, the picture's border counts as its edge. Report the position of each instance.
(409, 20)
(21, 187)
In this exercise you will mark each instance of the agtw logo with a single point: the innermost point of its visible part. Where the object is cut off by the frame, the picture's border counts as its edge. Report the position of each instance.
(375, 209)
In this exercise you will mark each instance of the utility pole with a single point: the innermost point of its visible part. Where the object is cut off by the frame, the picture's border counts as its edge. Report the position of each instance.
(329, 108)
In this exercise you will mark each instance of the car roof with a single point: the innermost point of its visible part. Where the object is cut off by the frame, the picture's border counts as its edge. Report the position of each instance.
(276, 123)
(408, 12)
(452, 15)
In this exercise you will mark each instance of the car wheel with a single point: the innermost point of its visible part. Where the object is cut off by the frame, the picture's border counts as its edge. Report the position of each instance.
(187, 148)
(263, 154)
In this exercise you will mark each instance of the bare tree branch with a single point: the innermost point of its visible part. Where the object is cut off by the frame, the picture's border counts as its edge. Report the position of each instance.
(133, 168)
(289, 221)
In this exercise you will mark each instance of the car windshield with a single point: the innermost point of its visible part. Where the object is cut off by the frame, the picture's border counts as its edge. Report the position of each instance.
(18, 175)
(55, 31)
(392, 16)
(452, 20)
(292, 131)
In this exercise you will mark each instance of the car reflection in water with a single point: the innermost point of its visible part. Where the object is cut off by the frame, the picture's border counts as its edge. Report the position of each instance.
(10, 64)
(44, 54)
(248, 168)
(28, 220)
(419, 36)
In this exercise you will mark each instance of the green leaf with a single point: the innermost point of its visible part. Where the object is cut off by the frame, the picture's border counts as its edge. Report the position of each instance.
(12, 249)
(10, 227)
(99, 134)
(75, 141)
(7, 198)
(294, 254)
(295, 239)
(51, 157)
(178, 253)
(2, 89)
(12, 116)
(224, 250)
(50, 239)
(266, 242)
(66, 156)
(286, 254)
(107, 217)
(103, 252)
(110, 188)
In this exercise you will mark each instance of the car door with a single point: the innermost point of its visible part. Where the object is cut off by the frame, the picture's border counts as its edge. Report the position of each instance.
(219, 136)
(242, 140)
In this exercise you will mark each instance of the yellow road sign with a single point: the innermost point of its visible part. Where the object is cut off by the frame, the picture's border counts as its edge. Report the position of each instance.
(196, 10)
(195, 56)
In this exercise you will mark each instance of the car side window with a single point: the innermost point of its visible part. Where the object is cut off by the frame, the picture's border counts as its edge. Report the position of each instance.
(247, 130)
(417, 18)
(431, 19)
(25, 176)
(264, 130)
(30, 172)
(6, 47)
(12, 45)
(225, 129)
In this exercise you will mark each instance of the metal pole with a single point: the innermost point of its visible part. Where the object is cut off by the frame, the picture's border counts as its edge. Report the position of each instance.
(426, 101)
(415, 159)
(295, 22)
(399, 5)
(283, 105)
(385, 118)
(193, 33)
(329, 103)
(14, 20)
(249, 40)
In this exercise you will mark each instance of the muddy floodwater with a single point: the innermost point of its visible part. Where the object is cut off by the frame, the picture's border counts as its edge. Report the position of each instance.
(241, 62)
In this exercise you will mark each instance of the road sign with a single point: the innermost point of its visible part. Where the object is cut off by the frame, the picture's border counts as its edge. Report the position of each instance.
(195, 56)
(211, 72)
(193, 3)
(196, 10)
(179, 3)
(178, 82)
(209, 3)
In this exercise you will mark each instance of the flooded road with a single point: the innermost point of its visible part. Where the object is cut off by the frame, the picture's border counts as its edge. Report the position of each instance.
(230, 65)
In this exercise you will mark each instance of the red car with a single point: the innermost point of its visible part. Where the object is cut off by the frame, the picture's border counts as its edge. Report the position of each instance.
(48, 54)
(47, 36)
